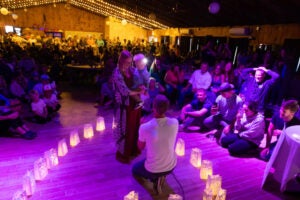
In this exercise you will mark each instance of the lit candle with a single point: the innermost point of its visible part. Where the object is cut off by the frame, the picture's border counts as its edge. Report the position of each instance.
(62, 147)
(195, 159)
(29, 183)
(180, 147)
(207, 194)
(214, 183)
(206, 169)
(132, 196)
(51, 158)
(100, 125)
(74, 138)
(20, 195)
(40, 169)
(88, 131)
(174, 197)
(221, 194)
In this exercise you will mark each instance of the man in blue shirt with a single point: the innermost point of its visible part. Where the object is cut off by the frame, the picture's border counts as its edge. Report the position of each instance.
(195, 112)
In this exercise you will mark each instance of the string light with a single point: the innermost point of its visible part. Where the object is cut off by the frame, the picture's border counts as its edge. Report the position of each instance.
(96, 6)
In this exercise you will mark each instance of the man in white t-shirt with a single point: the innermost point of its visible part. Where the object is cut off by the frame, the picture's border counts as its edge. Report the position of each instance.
(200, 79)
(159, 136)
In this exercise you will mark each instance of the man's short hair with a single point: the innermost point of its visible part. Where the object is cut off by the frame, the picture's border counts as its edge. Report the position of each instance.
(161, 104)
(291, 105)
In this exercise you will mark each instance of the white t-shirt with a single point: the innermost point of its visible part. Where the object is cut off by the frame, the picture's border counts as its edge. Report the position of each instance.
(160, 136)
(52, 101)
(38, 107)
(199, 80)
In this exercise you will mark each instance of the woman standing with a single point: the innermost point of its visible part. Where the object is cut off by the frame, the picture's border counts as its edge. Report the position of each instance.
(126, 116)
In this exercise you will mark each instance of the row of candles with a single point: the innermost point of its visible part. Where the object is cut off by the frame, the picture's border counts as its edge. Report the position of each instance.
(50, 159)
(213, 189)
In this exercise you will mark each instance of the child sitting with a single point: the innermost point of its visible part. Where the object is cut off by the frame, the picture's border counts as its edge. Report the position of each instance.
(154, 89)
(140, 78)
(50, 99)
(39, 108)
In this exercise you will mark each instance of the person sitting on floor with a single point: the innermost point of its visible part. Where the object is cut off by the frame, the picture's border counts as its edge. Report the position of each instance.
(159, 136)
(285, 118)
(153, 90)
(50, 99)
(195, 112)
(247, 132)
(10, 122)
(39, 108)
(224, 110)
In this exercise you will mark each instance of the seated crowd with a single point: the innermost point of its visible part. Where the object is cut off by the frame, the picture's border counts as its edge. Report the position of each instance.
(208, 89)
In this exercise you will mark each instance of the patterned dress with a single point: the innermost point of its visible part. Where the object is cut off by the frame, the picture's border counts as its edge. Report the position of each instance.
(126, 118)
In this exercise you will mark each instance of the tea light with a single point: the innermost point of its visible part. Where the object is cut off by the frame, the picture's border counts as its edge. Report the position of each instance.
(88, 131)
(214, 183)
(51, 158)
(100, 125)
(132, 196)
(74, 138)
(62, 147)
(207, 194)
(221, 194)
(20, 195)
(174, 197)
(206, 169)
(195, 159)
(40, 169)
(180, 147)
(29, 183)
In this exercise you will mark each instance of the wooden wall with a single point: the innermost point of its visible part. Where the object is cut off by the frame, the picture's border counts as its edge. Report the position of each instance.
(268, 34)
(115, 29)
(56, 18)
(78, 20)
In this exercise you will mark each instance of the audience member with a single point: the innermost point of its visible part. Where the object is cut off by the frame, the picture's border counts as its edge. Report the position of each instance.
(39, 108)
(257, 88)
(158, 136)
(140, 78)
(200, 78)
(10, 122)
(225, 109)
(285, 118)
(195, 112)
(247, 132)
(174, 82)
(153, 90)
(50, 99)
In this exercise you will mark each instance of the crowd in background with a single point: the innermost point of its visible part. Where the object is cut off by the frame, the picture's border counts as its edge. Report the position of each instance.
(39, 65)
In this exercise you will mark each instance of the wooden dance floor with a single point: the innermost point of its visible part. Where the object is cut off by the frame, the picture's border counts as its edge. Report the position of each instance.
(89, 171)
